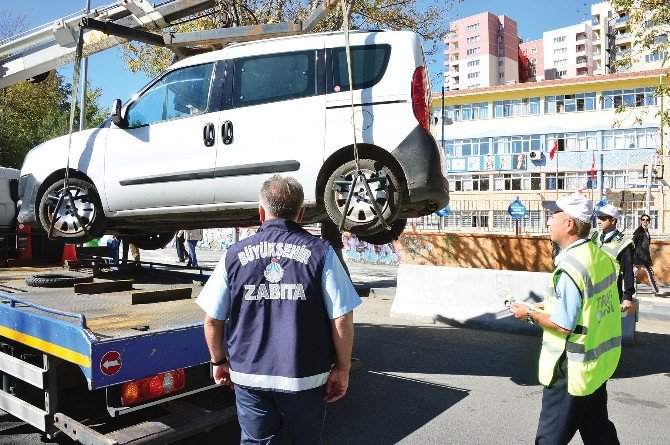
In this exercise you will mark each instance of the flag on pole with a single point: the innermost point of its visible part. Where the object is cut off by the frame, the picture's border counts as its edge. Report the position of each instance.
(593, 167)
(554, 149)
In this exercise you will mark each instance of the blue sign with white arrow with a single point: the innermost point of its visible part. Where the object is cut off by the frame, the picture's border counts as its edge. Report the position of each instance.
(444, 212)
(516, 209)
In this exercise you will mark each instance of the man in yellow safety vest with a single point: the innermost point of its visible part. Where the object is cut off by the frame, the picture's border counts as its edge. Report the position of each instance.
(581, 320)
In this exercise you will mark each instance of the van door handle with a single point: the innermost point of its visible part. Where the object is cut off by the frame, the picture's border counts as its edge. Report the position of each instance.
(227, 132)
(208, 134)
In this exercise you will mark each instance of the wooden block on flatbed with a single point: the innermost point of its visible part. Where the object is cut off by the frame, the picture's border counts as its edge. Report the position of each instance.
(157, 296)
(99, 287)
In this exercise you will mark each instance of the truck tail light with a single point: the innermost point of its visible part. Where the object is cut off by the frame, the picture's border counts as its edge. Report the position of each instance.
(421, 97)
(152, 387)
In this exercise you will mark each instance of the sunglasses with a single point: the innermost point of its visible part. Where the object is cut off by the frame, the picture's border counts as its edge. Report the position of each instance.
(645, 220)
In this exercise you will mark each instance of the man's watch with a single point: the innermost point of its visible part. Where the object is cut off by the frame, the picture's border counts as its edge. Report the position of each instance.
(223, 361)
(528, 317)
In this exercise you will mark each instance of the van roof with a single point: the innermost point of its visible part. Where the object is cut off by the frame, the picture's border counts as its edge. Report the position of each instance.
(219, 54)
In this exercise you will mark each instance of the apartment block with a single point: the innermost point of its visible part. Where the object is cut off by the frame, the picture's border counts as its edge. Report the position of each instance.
(482, 51)
(534, 50)
(568, 52)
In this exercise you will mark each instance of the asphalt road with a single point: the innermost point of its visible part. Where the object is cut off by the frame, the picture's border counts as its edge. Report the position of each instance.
(434, 384)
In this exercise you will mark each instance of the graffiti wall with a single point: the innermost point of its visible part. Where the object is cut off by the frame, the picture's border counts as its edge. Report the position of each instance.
(484, 251)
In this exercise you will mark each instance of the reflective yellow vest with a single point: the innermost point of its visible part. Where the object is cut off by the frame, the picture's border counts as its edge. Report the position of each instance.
(594, 347)
(614, 246)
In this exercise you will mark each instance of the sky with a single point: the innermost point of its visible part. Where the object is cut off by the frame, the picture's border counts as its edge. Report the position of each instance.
(107, 70)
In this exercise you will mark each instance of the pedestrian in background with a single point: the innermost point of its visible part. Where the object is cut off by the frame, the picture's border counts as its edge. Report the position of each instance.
(641, 254)
(181, 249)
(581, 320)
(620, 247)
(192, 237)
(287, 307)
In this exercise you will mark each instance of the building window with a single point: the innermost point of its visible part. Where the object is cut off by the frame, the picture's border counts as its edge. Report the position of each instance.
(476, 85)
(500, 62)
(561, 73)
(533, 61)
(561, 62)
(501, 75)
(555, 181)
(473, 75)
(472, 27)
(472, 39)
(467, 112)
(473, 62)
(656, 57)
(570, 103)
(533, 50)
(467, 147)
(639, 97)
(631, 138)
(559, 39)
(472, 51)
(516, 107)
(517, 144)
(560, 51)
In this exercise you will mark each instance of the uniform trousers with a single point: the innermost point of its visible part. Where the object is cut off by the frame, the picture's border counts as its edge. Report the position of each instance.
(262, 415)
(563, 414)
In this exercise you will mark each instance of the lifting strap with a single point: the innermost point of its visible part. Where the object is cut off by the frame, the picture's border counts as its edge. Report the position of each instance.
(359, 175)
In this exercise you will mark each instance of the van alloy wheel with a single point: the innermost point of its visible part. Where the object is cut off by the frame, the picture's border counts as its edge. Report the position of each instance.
(361, 216)
(83, 199)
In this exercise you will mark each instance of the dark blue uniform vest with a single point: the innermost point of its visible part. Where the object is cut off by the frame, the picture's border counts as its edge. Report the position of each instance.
(279, 334)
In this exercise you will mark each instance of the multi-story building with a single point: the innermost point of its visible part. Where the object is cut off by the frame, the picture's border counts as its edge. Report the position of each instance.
(481, 51)
(568, 52)
(540, 140)
(534, 50)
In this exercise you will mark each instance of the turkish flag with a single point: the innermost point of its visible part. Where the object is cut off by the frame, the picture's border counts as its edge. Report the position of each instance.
(593, 167)
(554, 149)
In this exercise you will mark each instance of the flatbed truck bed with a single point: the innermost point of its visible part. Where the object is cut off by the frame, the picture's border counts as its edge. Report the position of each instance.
(55, 341)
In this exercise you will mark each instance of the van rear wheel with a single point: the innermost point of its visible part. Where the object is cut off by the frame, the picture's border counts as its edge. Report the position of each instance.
(361, 217)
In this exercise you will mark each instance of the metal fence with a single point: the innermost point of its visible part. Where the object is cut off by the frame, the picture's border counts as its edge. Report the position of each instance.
(480, 200)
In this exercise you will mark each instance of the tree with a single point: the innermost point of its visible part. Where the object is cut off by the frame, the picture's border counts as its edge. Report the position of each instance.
(33, 113)
(426, 17)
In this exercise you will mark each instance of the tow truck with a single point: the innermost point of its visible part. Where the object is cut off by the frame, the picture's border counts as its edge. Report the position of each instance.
(77, 352)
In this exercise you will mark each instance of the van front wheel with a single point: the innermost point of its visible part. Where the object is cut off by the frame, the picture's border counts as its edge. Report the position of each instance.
(79, 209)
(361, 217)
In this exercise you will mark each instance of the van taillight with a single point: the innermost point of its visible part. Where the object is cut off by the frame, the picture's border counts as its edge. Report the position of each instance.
(421, 98)
(152, 387)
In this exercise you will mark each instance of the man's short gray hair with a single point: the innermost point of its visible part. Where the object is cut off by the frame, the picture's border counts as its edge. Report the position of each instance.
(282, 196)
(583, 228)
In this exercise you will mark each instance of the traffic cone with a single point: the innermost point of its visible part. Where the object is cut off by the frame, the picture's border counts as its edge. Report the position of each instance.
(69, 253)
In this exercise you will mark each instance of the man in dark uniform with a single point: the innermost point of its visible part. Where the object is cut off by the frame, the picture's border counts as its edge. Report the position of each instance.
(286, 304)
(620, 247)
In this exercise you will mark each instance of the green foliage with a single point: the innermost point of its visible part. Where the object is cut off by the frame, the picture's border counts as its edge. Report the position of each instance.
(33, 113)
(426, 17)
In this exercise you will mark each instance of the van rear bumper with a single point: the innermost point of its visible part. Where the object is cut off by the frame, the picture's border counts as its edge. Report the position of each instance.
(420, 160)
(28, 187)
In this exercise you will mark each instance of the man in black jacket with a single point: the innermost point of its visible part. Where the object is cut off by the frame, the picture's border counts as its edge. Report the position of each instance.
(641, 254)
(619, 246)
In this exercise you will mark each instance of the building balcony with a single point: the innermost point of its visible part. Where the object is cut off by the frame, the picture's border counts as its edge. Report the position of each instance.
(623, 37)
(595, 22)
(622, 19)
(582, 62)
(597, 53)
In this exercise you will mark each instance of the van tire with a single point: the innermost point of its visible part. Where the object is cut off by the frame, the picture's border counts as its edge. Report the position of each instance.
(386, 236)
(59, 279)
(362, 219)
(88, 206)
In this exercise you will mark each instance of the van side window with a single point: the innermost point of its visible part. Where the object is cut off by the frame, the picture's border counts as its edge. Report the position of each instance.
(274, 77)
(180, 93)
(369, 63)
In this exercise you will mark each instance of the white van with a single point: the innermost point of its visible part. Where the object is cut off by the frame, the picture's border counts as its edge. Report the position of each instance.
(193, 147)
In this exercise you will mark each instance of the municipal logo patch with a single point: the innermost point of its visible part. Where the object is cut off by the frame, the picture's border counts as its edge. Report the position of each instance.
(273, 272)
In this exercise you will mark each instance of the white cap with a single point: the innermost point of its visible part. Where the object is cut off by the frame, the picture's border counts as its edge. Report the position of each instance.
(575, 205)
(609, 210)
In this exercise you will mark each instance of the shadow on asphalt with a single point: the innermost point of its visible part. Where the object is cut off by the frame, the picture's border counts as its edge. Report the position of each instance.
(650, 355)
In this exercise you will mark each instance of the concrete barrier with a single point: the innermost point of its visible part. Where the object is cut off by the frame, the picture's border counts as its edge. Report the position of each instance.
(467, 297)
(473, 297)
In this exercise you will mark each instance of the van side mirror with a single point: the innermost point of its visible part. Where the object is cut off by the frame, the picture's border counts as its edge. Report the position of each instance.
(118, 115)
